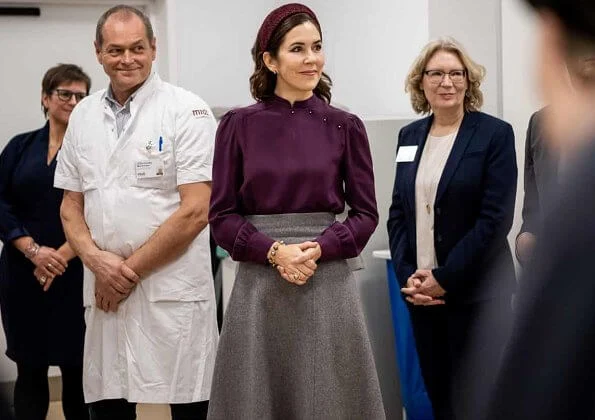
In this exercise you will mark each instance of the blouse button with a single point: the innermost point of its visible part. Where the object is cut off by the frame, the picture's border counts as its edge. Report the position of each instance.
(339, 127)
(324, 119)
(310, 111)
(293, 111)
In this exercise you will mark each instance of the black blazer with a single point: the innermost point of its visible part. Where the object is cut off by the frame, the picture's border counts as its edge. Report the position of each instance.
(473, 211)
(541, 173)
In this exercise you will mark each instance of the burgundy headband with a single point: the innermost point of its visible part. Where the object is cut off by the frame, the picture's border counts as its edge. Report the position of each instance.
(277, 16)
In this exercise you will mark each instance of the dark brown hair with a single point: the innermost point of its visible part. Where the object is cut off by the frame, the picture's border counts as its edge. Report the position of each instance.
(263, 81)
(62, 73)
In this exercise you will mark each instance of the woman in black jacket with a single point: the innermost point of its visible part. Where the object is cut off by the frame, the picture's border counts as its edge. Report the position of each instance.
(40, 279)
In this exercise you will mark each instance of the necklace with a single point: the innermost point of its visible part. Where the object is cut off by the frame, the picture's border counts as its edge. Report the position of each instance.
(55, 140)
(438, 149)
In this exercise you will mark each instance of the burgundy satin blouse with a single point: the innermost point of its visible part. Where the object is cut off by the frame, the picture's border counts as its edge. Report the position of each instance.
(275, 158)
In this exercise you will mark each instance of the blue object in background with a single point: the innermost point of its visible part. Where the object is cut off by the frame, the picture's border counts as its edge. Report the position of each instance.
(221, 253)
(413, 391)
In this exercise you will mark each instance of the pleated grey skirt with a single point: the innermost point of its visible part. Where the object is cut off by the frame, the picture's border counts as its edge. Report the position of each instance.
(294, 352)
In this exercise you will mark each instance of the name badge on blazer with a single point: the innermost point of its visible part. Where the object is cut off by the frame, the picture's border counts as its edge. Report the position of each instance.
(406, 154)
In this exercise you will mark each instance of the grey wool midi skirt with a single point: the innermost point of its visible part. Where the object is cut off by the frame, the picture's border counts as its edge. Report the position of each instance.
(294, 352)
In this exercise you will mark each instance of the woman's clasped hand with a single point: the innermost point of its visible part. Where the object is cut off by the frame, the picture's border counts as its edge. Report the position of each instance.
(296, 263)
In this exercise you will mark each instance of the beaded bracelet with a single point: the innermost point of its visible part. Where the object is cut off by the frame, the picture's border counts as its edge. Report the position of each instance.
(32, 250)
(271, 257)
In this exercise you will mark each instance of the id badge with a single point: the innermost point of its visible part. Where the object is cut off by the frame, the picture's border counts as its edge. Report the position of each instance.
(150, 168)
(406, 154)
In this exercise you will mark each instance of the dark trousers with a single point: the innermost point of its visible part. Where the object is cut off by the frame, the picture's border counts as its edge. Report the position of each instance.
(460, 348)
(32, 395)
(121, 409)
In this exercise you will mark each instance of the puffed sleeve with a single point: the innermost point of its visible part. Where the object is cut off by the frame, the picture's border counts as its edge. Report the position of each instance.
(348, 239)
(10, 226)
(230, 229)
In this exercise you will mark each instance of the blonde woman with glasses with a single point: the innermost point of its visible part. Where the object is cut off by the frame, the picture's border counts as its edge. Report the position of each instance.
(452, 207)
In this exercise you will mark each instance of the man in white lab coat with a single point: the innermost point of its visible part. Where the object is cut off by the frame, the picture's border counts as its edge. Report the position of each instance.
(136, 169)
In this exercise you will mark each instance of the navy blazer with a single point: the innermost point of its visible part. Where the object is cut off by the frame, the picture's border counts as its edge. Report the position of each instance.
(473, 210)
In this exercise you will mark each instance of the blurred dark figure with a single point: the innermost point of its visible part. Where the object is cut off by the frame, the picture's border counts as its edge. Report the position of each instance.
(549, 368)
(540, 173)
(5, 409)
(544, 163)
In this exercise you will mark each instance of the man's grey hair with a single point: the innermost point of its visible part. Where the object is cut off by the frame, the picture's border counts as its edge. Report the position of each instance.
(126, 11)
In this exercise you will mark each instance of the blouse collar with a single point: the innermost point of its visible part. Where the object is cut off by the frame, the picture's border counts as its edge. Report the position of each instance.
(308, 103)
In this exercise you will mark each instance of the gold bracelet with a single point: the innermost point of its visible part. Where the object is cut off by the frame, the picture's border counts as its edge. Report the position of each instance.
(273, 252)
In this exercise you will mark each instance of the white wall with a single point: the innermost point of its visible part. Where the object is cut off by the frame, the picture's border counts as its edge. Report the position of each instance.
(370, 47)
(213, 40)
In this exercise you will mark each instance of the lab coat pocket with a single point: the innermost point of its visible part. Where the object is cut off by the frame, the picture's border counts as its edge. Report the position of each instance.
(157, 183)
(188, 278)
(152, 169)
(171, 283)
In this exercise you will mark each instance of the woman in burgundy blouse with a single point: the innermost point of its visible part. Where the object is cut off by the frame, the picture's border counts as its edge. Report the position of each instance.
(294, 343)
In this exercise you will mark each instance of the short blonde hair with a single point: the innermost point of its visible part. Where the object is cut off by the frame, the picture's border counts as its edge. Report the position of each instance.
(475, 74)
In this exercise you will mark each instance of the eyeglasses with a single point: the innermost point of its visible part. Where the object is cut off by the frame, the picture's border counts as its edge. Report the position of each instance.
(437, 76)
(65, 95)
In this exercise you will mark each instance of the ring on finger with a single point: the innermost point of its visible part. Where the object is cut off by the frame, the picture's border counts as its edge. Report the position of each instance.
(296, 276)
(42, 280)
(50, 265)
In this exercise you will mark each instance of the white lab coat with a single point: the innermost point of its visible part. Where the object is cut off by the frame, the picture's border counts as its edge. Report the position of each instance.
(159, 347)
